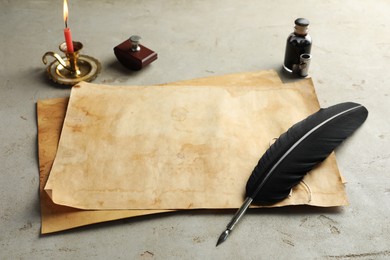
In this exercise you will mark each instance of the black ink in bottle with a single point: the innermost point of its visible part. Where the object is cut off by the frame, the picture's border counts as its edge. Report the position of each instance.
(298, 43)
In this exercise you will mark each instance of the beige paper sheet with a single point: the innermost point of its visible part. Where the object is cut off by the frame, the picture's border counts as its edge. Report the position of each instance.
(50, 117)
(54, 218)
(178, 147)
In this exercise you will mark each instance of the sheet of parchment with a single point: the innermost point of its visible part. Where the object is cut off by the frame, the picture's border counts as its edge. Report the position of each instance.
(50, 117)
(174, 147)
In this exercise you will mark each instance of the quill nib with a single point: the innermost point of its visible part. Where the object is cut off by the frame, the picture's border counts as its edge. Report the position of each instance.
(236, 218)
(223, 237)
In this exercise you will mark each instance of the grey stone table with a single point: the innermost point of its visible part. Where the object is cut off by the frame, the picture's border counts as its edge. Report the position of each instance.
(351, 58)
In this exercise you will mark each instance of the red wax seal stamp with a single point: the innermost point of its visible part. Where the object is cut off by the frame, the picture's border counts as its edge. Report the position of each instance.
(133, 55)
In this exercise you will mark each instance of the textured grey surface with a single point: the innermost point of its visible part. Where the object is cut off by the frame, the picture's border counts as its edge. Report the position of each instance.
(351, 58)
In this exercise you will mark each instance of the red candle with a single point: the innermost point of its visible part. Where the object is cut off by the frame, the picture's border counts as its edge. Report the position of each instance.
(68, 40)
(67, 32)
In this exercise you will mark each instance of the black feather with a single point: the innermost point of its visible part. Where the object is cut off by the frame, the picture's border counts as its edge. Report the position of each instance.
(298, 150)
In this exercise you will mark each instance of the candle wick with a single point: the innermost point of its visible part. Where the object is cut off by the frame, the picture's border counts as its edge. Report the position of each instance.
(66, 23)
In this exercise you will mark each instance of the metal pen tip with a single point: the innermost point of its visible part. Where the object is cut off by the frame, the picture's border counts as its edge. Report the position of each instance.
(223, 237)
(236, 218)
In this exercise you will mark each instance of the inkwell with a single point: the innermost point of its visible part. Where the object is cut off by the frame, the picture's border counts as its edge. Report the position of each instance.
(297, 57)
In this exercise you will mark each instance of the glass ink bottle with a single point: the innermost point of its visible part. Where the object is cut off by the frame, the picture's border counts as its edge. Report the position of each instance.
(298, 43)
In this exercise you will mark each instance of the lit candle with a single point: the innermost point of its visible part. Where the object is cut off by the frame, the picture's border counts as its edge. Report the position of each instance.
(67, 32)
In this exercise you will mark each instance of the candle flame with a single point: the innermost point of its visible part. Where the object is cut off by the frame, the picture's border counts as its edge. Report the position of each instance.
(66, 13)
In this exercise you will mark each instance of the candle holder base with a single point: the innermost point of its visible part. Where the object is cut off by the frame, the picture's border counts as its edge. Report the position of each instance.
(89, 68)
(72, 68)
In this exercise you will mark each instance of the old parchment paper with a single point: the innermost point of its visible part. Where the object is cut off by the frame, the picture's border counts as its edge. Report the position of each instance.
(54, 218)
(178, 147)
(50, 117)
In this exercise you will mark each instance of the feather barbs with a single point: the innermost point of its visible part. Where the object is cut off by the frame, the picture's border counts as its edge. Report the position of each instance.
(298, 150)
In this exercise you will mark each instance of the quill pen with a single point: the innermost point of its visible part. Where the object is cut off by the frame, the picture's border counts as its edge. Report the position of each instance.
(295, 153)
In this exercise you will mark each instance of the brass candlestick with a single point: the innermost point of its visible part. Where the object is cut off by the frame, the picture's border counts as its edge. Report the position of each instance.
(72, 68)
